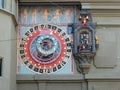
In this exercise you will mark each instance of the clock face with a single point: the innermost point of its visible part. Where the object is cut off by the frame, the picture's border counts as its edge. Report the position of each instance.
(45, 49)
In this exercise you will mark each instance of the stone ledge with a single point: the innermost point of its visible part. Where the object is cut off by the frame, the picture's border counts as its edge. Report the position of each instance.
(102, 76)
(10, 14)
(82, 1)
(76, 78)
(86, 4)
(103, 6)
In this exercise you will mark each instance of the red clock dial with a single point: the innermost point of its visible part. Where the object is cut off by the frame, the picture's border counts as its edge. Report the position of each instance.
(45, 49)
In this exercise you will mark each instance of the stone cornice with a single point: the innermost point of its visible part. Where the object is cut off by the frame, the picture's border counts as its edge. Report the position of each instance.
(9, 14)
(82, 1)
(99, 1)
(103, 76)
(68, 78)
(105, 12)
(51, 78)
(86, 4)
(103, 6)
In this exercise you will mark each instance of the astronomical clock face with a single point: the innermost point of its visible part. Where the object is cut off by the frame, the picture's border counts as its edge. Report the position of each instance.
(45, 49)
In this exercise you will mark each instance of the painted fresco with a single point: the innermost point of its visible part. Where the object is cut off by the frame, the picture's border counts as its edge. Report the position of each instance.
(30, 16)
(44, 14)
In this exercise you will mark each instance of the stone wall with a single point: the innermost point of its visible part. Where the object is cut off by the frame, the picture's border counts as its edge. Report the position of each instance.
(8, 50)
(104, 72)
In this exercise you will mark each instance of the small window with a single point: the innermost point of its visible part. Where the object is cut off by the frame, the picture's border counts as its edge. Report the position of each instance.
(2, 3)
(0, 66)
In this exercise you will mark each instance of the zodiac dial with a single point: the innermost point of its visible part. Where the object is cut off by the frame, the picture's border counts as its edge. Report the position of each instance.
(45, 49)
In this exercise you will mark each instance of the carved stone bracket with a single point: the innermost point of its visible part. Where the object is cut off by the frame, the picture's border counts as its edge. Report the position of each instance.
(83, 61)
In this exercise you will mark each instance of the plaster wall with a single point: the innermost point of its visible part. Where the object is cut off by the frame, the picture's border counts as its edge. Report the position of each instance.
(7, 50)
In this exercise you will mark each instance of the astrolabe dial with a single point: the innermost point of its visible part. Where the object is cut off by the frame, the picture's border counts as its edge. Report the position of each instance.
(45, 49)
